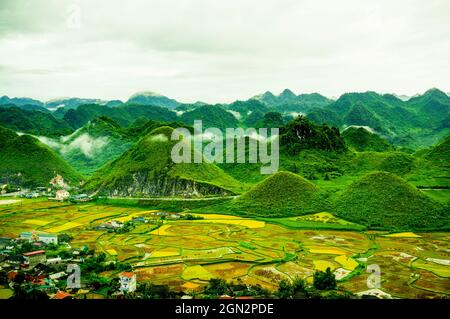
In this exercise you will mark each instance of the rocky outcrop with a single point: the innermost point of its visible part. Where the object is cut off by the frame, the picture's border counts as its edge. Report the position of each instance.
(140, 185)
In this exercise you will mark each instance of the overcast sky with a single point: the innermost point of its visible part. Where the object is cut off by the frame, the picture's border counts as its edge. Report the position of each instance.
(221, 50)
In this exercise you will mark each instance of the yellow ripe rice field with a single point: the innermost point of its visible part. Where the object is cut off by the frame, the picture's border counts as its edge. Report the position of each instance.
(231, 220)
(190, 286)
(347, 262)
(112, 252)
(37, 222)
(322, 265)
(403, 235)
(326, 250)
(196, 272)
(64, 227)
(162, 231)
(185, 254)
(438, 269)
(130, 216)
(167, 252)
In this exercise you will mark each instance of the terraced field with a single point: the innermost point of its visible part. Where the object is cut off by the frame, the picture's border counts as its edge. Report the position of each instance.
(185, 254)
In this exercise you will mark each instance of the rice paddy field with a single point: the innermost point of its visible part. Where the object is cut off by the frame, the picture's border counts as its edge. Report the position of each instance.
(185, 254)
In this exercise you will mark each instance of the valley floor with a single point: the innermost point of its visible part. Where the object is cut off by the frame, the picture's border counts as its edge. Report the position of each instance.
(185, 254)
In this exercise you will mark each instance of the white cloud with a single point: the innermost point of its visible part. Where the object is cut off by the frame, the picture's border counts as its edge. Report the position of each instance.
(85, 143)
(237, 115)
(295, 114)
(159, 138)
(367, 128)
(219, 51)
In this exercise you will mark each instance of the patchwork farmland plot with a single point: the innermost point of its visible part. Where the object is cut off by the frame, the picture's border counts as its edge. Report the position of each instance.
(186, 253)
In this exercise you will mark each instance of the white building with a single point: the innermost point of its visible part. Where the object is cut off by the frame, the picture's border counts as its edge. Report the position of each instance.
(127, 282)
(54, 261)
(62, 194)
(43, 237)
(116, 224)
(48, 238)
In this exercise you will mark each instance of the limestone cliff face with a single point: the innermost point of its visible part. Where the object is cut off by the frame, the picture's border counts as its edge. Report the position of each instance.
(140, 184)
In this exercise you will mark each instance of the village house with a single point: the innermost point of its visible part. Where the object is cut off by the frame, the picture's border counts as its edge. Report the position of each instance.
(34, 258)
(110, 225)
(42, 237)
(167, 215)
(28, 236)
(58, 181)
(127, 282)
(62, 195)
(139, 219)
(62, 295)
(117, 224)
(48, 238)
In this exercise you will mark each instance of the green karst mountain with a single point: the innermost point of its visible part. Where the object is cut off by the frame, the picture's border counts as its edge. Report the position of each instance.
(440, 154)
(26, 161)
(124, 114)
(418, 122)
(435, 107)
(33, 122)
(124, 150)
(151, 98)
(301, 134)
(100, 141)
(287, 101)
(360, 115)
(19, 101)
(281, 194)
(249, 106)
(360, 139)
(148, 170)
(271, 120)
(93, 145)
(321, 115)
(64, 104)
(211, 116)
(384, 200)
(398, 163)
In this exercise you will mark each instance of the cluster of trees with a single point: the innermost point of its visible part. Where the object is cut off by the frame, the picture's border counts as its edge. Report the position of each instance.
(218, 287)
(192, 217)
(324, 286)
(99, 264)
(33, 122)
(151, 291)
(301, 134)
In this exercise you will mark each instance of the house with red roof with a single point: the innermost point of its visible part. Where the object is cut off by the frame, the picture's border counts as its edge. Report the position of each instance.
(62, 295)
(128, 282)
(33, 258)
